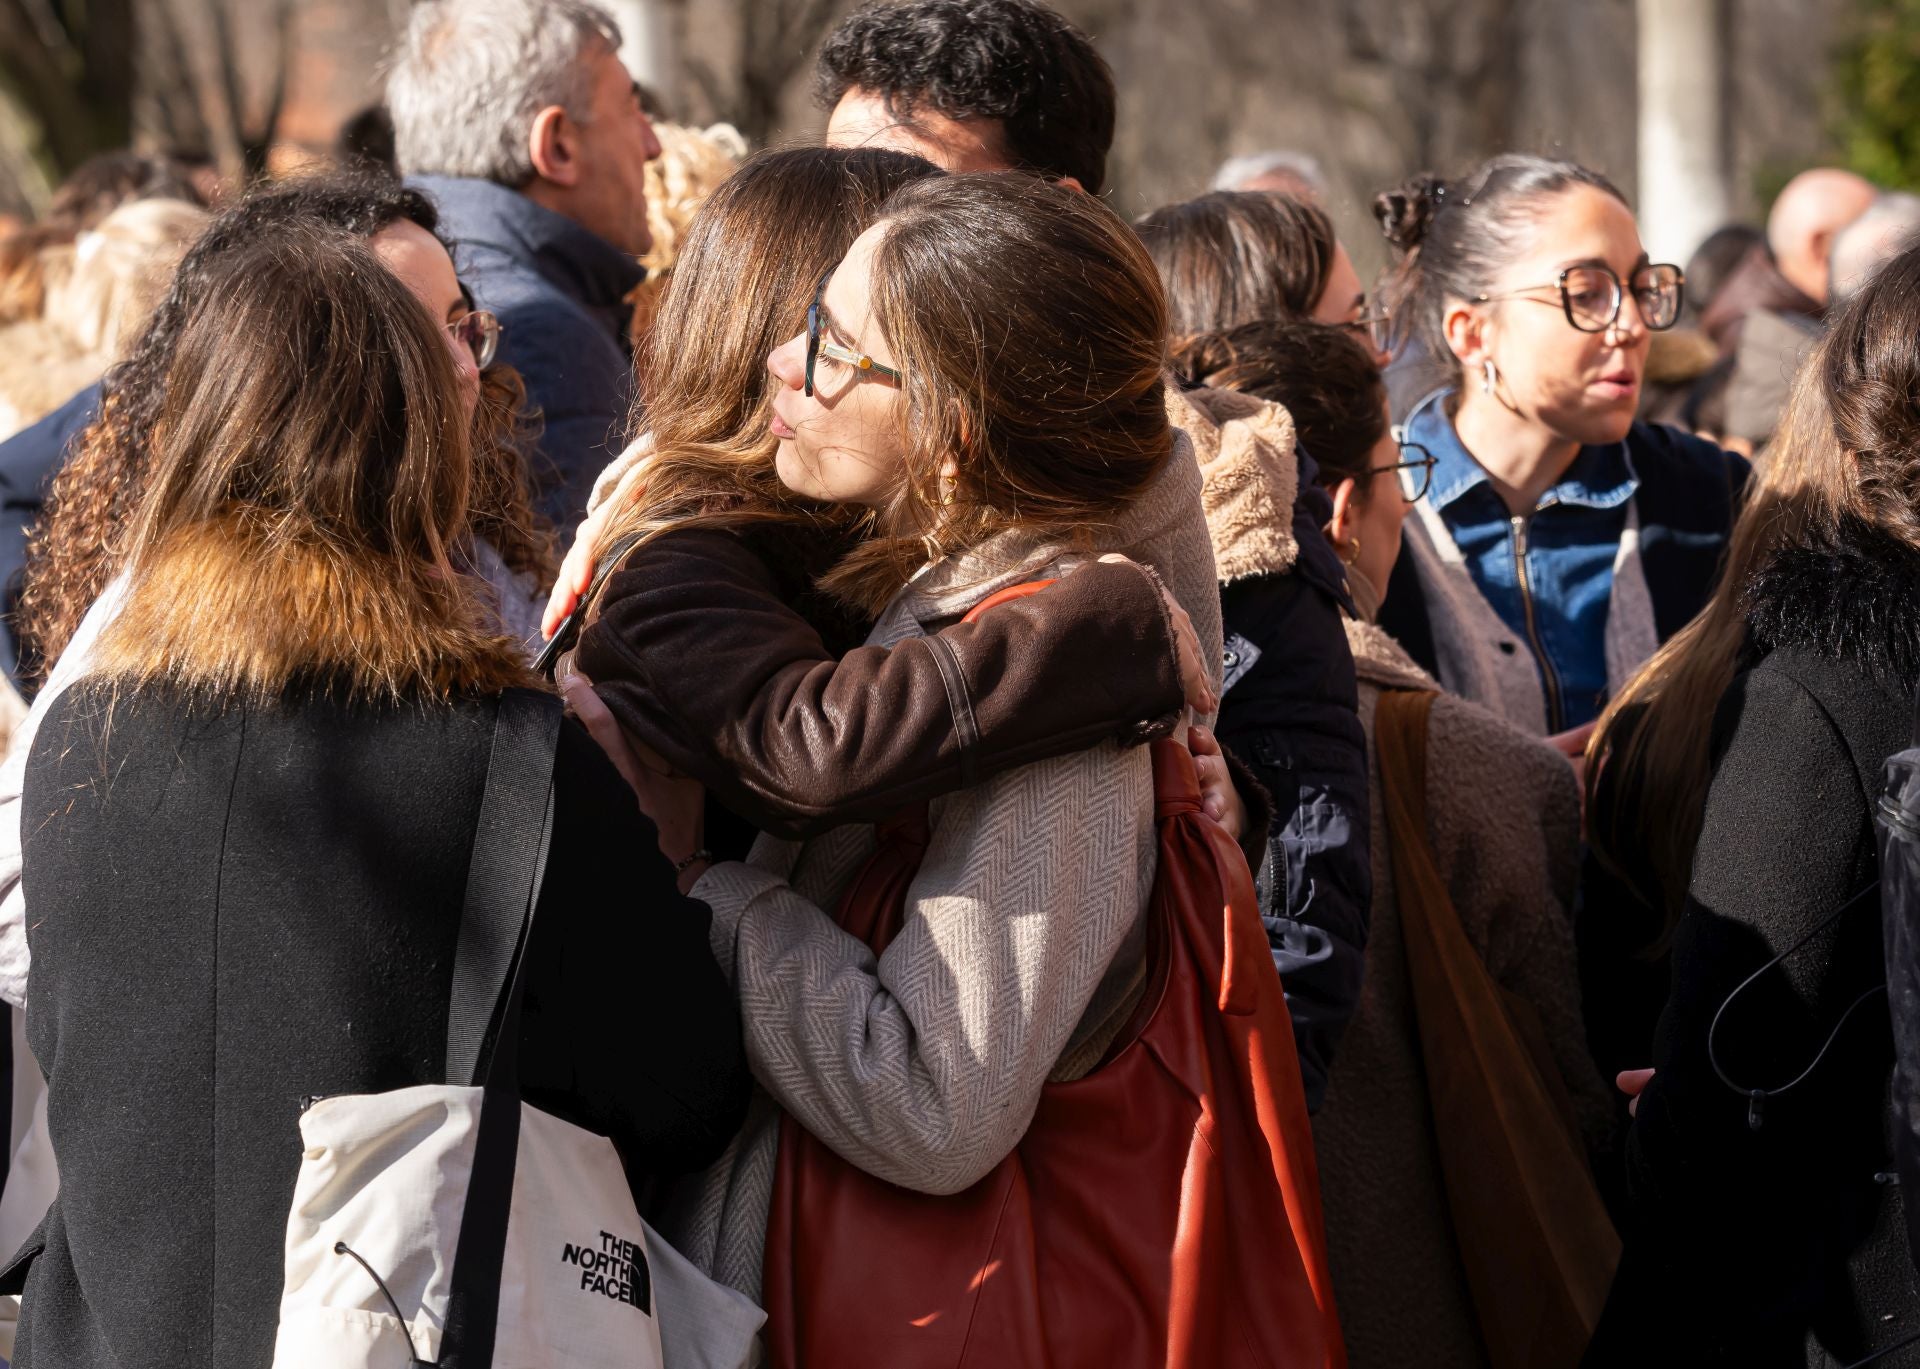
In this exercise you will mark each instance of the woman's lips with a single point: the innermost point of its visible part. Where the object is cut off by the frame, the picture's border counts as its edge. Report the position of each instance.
(1618, 384)
(779, 426)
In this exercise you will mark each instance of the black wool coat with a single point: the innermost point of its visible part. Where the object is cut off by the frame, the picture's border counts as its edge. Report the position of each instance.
(233, 911)
(1781, 1245)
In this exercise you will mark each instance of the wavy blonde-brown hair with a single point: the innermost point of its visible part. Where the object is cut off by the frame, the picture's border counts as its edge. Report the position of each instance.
(310, 486)
(79, 543)
(748, 267)
(1031, 327)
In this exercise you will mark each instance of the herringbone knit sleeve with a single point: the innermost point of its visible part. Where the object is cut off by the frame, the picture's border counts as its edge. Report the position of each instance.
(925, 1067)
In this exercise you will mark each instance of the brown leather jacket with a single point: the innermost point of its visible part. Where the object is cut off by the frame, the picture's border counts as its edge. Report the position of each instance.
(699, 653)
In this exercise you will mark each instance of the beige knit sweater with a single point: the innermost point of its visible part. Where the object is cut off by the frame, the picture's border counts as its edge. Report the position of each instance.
(1021, 953)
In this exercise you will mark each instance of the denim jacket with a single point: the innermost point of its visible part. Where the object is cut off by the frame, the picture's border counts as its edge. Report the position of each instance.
(1542, 617)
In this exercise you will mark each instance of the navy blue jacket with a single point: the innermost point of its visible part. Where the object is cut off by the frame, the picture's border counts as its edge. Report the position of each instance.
(560, 293)
(1290, 711)
(29, 460)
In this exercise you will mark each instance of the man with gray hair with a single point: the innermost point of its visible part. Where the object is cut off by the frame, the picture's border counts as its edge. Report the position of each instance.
(1889, 227)
(518, 118)
(1291, 173)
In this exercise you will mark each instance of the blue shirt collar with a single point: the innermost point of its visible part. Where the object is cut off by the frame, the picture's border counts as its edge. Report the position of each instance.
(1599, 478)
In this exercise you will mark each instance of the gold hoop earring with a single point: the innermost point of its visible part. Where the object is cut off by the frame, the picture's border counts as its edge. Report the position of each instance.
(1351, 552)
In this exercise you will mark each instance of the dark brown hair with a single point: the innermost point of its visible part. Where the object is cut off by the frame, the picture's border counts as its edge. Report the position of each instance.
(1320, 373)
(1454, 238)
(1237, 256)
(310, 485)
(1017, 62)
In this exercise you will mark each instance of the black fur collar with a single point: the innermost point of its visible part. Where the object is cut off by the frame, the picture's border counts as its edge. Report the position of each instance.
(1852, 597)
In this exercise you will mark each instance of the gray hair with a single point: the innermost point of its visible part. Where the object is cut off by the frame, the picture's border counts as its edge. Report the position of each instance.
(1237, 172)
(471, 75)
(1888, 227)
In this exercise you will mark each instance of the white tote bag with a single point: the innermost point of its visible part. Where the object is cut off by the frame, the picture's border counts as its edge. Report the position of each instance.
(455, 1225)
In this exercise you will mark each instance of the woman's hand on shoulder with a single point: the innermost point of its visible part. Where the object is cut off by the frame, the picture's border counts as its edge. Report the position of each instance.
(1196, 680)
(576, 571)
(1218, 794)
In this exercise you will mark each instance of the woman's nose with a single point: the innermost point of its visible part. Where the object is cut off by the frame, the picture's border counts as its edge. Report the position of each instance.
(788, 362)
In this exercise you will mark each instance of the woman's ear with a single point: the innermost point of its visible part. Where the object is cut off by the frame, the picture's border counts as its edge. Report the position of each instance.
(1345, 523)
(553, 147)
(1465, 328)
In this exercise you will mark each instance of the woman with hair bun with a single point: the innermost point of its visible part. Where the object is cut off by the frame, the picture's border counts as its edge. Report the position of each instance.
(1503, 824)
(1561, 542)
(1740, 772)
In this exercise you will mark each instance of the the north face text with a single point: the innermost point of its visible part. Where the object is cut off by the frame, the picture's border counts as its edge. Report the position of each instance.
(617, 1270)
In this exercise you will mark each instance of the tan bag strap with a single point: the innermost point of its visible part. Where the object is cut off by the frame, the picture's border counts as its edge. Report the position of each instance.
(1535, 1239)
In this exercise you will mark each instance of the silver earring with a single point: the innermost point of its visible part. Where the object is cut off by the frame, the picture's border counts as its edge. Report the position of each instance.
(1488, 376)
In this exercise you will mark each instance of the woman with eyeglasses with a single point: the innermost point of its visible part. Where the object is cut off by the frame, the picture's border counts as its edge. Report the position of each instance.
(980, 385)
(1503, 824)
(1560, 542)
(251, 823)
(75, 564)
(1289, 706)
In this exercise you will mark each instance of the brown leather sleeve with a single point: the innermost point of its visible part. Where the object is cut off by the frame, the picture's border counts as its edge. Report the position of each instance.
(698, 655)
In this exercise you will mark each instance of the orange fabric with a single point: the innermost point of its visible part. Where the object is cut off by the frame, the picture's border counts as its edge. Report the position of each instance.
(1162, 1211)
(1534, 1237)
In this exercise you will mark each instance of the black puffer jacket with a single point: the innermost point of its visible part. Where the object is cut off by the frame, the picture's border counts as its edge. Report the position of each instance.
(1290, 710)
(1781, 1245)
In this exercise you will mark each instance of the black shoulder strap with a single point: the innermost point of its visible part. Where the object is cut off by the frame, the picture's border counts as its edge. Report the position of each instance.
(503, 881)
(489, 973)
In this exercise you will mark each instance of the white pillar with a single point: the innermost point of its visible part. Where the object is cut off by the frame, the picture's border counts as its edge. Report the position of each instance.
(1684, 194)
(648, 48)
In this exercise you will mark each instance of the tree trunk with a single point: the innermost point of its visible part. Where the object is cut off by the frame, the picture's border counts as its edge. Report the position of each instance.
(1684, 190)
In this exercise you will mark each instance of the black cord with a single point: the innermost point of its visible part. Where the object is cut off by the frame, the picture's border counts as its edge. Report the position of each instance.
(413, 1355)
(1757, 1098)
(1878, 1355)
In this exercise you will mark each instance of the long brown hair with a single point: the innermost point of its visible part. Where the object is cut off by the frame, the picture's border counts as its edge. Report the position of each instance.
(1848, 448)
(309, 487)
(79, 543)
(1031, 327)
(1236, 256)
(751, 261)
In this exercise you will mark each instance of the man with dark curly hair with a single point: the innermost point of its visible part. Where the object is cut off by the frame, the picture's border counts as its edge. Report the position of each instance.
(971, 85)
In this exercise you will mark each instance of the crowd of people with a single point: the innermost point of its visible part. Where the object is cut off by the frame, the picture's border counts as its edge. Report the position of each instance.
(1126, 795)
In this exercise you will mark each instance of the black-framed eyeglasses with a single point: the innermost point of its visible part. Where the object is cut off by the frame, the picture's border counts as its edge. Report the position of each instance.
(1413, 487)
(820, 346)
(1592, 296)
(479, 332)
(1376, 326)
